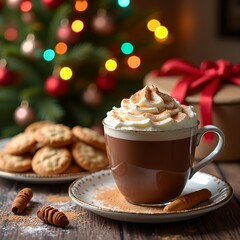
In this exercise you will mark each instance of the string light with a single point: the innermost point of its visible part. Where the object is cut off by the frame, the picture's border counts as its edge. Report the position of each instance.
(134, 61)
(61, 48)
(153, 24)
(123, 3)
(66, 73)
(111, 65)
(81, 5)
(161, 33)
(127, 48)
(48, 55)
(26, 6)
(77, 26)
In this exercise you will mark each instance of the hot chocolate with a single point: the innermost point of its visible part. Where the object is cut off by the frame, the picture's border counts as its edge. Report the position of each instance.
(151, 142)
(146, 165)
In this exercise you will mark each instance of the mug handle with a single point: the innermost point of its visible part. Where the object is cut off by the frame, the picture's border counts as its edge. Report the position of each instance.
(216, 151)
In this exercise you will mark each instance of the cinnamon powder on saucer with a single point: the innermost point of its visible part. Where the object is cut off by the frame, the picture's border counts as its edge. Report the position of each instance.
(113, 199)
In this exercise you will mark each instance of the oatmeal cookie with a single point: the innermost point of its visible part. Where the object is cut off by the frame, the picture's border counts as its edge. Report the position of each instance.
(20, 144)
(90, 137)
(14, 163)
(89, 158)
(54, 135)
(49, 161)
(33, 127)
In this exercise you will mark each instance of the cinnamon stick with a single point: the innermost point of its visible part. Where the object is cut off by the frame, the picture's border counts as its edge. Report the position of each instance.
(52, 216)
(22, 199)
(188, 201)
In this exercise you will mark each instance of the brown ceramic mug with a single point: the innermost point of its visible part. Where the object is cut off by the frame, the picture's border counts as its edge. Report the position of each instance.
(153, 167)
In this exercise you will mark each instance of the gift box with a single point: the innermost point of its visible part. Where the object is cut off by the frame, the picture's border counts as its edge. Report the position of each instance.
(225, 108)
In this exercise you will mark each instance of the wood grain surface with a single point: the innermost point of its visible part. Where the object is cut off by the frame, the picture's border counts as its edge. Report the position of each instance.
(223, 223)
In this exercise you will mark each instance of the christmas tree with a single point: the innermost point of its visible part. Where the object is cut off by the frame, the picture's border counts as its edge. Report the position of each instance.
(71, 61)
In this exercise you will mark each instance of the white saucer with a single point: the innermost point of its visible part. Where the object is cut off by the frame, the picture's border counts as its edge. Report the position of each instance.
(86, 191)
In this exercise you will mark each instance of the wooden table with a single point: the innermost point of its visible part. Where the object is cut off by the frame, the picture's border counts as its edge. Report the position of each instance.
(223, 223)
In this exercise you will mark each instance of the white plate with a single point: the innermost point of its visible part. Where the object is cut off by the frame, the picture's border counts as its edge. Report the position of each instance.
(34, 178)
(85, 192)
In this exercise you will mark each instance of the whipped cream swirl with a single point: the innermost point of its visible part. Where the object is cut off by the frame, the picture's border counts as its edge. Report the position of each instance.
(149, 110)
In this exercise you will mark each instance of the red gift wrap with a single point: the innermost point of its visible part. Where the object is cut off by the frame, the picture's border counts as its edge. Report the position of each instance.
(214, 91)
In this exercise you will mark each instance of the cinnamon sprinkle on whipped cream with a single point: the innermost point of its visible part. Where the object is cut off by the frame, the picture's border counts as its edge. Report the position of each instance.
(149, 110)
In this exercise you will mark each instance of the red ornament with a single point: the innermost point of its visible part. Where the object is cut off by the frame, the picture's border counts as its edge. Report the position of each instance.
(56, 87)
(106, 83)
(65, 33)
(28, 17)
(103, 23)
(92, 96)
(24, 114)
(52, 3)
(6, 76)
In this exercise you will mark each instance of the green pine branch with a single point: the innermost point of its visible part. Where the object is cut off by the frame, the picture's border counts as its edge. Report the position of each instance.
(8, 94)
(10, 130)
(49, 109)
(83, 52)
(31, 71)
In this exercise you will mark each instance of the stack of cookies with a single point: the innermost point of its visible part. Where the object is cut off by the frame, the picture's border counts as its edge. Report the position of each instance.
(48, 148)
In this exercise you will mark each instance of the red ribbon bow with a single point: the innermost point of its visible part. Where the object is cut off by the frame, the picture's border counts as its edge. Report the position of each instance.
(207, 78)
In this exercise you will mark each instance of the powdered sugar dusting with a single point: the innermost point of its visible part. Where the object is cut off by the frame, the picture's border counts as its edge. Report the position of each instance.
(37, 230)
(28, 224)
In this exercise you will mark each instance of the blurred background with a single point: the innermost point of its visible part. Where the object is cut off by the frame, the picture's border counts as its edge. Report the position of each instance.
(71, 61)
